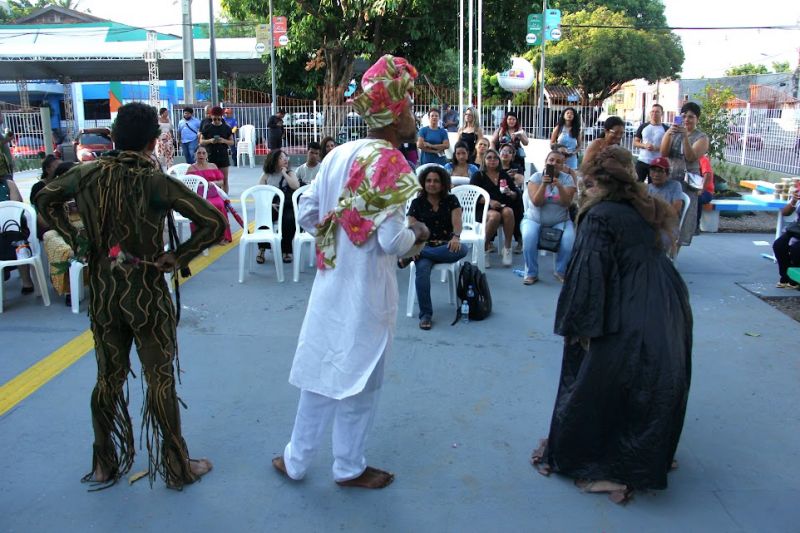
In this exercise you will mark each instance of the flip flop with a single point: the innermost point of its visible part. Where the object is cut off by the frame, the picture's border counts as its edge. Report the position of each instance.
(260, 258)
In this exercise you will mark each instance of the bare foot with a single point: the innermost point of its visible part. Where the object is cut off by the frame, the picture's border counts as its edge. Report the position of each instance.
(279, 465)
(100, 475)
(618, 493)
(371, 478)
(674, 465)
(200, 467)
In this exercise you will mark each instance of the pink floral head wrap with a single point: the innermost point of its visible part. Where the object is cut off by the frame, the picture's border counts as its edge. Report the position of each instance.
(386, 86)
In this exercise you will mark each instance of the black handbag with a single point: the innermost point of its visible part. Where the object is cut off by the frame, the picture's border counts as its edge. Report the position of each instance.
(12, 233)
(550, 239)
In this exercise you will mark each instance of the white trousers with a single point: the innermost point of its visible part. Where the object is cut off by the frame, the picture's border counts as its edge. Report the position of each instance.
(352, 418)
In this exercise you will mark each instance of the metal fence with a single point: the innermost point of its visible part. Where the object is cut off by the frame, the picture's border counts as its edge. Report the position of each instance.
(28, 133)
(767, 138)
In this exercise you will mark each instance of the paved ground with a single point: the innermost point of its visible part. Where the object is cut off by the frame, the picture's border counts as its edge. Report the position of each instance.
(462, 408)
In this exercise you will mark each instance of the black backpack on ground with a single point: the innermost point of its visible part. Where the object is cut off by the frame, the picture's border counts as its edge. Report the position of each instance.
(480, 303)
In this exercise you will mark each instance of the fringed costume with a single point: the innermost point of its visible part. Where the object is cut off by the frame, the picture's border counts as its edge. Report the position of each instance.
(123, 201)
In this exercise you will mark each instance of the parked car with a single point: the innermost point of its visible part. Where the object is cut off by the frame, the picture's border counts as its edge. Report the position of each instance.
(27, 146)
(736, 139)
(353, 128)
(91, 143)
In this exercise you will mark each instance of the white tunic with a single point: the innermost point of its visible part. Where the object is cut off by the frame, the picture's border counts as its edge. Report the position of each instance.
(352, 310)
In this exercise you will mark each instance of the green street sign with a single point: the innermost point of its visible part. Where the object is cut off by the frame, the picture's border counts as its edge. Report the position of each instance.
(535, 23)
(552, 27)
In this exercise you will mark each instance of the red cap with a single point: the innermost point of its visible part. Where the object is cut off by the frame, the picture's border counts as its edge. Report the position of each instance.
(661, 162)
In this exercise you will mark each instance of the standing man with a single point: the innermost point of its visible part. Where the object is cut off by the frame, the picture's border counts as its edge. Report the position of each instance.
(648, 140)
(356, 210)
(308, 170)
(6, 136)
(123, 198)
(206, 117)
(233, 124)
(450, 118)
(275, 130)
(188, 131)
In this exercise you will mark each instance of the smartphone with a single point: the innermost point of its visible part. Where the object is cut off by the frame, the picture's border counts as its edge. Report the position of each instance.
(550, 170)
(679, 120)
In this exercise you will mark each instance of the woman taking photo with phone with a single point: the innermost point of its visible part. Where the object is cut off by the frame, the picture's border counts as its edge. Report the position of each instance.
(549, 197)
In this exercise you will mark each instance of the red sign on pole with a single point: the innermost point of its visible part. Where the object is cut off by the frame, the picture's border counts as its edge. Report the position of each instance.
(279, 37)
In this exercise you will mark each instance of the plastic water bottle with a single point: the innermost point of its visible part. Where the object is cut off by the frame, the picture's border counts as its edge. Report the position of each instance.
(519, 272)
(465, 312)
(23, 250)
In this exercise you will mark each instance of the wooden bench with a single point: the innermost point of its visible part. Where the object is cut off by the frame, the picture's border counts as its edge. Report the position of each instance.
(710, 218)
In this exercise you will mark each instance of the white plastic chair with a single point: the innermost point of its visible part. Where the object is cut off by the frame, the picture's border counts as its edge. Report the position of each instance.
(193, 182)
(271, 233)
(176, 171)
(246, 145)
(10, 210)
(302, 239)
(76, 288)
(472, 231)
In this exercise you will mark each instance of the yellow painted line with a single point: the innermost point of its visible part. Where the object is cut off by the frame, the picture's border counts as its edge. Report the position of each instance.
(26, 383)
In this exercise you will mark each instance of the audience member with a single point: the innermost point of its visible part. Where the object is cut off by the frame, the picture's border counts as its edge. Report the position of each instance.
(440, 211)
(648, 140)
(277, 173)
(308, 170)
(217, 138)
(511, 132)
(568, 134)
(459, 165)
(550, 195)
(470, 132)
(188, 134)
(502, 192)
(433, 140)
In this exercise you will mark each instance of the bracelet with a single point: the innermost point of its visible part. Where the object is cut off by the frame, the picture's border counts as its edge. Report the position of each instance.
(457, 236)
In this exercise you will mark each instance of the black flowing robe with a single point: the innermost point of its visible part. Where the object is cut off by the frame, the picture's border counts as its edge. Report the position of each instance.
(621, 400)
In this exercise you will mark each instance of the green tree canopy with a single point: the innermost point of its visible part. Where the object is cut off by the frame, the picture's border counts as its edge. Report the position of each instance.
(781, 66)
(746, 69)
(598, 61)
(20, 8)
(715, 119)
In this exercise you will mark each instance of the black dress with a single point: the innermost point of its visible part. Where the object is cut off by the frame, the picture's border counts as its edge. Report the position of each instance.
(217, 152)
(621, 403)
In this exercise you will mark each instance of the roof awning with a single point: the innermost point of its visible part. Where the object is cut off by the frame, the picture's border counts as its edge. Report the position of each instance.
(65, 53)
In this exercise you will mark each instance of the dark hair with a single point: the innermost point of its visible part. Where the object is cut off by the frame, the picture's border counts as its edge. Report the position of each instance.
(161, 110)
(62, 168)
(46, 162)
(271, 162)
(188, 110)
(444, 178)
(135, 126)
(324, 143)
(661, 107)
(431, 110)
(314, 145)
(216, 111)
(459, 144)
(504, 124)
(575, 129)
(691, 106)
(612, 122)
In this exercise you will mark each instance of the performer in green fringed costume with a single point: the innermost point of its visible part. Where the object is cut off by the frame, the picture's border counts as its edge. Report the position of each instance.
(123, 199)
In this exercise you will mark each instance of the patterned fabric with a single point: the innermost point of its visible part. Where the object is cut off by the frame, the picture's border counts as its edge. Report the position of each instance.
(387, 85)
(379, 182)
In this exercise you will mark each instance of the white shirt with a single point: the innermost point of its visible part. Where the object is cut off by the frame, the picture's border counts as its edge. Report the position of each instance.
(352, 310)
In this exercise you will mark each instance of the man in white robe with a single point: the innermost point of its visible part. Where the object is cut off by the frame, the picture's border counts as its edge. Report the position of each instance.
(352, 310)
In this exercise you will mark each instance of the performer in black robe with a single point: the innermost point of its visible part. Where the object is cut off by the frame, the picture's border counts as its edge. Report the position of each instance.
(627, 325)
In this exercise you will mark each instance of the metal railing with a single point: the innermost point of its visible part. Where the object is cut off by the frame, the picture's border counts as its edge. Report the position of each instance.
(29, 141)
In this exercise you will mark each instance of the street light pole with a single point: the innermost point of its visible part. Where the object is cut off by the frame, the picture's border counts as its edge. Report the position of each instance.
(541, 69)
(272, 57)
(188, 52)
(212, 54)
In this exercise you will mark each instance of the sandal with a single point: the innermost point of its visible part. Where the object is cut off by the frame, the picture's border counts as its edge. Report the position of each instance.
(425, 324)
(287, 258)
(27, 290)
(530, 280)
(405, 261)
(260, 257)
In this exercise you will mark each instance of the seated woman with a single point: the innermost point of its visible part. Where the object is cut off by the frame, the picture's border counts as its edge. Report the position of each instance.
(787, 248)
(550, 196)
(502, 192)
(203, 168)
(668, 190)
(441, 213)
(459, 166)
(277, 173)
(59, 253)
(517, 173)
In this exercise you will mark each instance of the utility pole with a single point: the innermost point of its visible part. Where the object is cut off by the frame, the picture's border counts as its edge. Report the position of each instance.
(212, 54)
(541, 71)
(272, 58)
(188, 52)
